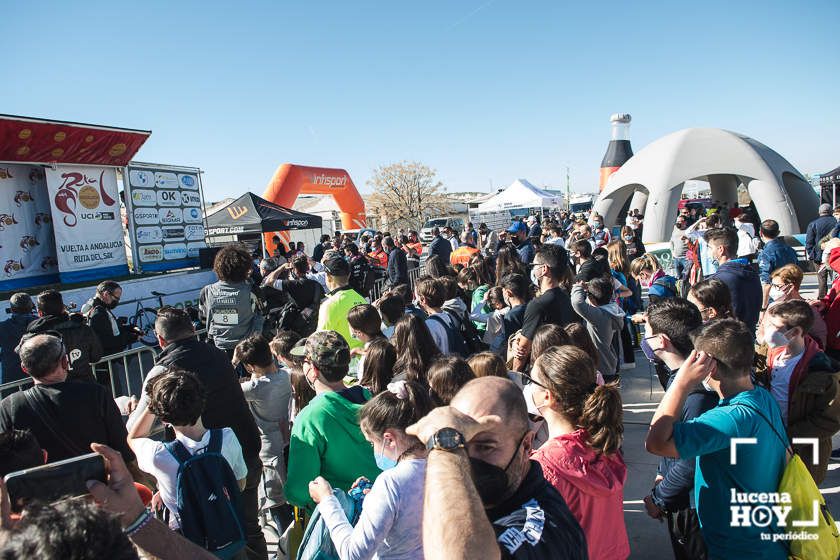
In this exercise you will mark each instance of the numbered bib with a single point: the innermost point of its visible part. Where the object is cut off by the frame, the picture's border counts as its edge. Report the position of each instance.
(226, 317)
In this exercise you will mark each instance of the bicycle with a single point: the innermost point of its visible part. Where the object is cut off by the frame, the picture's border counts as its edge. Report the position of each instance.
(144, 318)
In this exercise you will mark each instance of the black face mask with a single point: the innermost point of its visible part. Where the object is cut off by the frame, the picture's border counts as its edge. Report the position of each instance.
(491, 481)
(114, 303)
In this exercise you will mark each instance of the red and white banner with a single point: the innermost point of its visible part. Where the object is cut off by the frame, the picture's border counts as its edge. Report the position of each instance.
(86, 219)
(27, 248)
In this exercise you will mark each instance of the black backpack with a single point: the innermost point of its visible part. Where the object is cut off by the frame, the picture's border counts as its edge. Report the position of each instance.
(302, 320)
(209, 501)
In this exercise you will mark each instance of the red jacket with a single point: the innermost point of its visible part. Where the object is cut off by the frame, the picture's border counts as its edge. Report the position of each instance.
(831, 313)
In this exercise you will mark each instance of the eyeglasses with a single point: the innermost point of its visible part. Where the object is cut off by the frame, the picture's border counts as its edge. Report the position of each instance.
(527, 379)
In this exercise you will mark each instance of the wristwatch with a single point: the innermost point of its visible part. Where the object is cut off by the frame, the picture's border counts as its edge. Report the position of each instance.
(446, 439)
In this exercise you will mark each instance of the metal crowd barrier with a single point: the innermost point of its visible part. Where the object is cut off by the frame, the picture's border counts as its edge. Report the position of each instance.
(126, 370)
(379, 286)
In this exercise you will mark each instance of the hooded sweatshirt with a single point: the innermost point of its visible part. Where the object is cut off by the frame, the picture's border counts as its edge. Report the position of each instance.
(593, 486)
(604, 324)
(327, 441)
(745, 287)
(82, 344)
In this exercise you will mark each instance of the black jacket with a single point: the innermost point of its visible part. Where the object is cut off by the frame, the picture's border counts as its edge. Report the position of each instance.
(441, 247)
(818, 229)
(397, 267)
(82, 344)
(745, 287)
(103, 321)
(226, 406)
(11, 331)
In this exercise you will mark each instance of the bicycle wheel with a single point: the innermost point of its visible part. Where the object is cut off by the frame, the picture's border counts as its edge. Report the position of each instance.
(146, 323)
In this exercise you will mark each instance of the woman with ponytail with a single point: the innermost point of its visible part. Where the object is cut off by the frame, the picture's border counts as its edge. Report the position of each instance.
(582, 457)
(390, 525)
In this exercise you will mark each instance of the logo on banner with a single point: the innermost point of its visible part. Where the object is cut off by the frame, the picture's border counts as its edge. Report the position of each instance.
(190, 199)
(22, 196)
(237, 212)
(193, 248)
(7, 220)
(297, 223)
(192, 215)
(194, 232)
(12, 267)
(48, 262)
(6, 173)
(170, 216)
(27, 242)
(174, 251)
(72, 184)
(150, 253)
(143, 197)
(166, 180)
(141, 178)
(149, 235)
(169, 198)
(42, 218)
(330, 181)
(145, 216)
(173, 233)
(188, 182)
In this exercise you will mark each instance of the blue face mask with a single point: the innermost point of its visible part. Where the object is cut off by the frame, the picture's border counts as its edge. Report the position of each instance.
(384, 463)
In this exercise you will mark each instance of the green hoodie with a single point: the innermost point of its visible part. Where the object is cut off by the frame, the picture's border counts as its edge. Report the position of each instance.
(327, 441)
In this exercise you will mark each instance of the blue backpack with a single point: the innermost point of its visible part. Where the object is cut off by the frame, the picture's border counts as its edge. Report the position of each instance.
(209, 502)
(317, 543)
(456, 341)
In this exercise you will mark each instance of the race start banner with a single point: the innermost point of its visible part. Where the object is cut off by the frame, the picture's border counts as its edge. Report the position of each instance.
(87, 222)
(164, 204)
(27, 246)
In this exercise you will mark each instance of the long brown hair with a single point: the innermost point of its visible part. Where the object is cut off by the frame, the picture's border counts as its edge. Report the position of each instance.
(378, 368)
(508, 262)
(569, 375)
(415, 347)
(617, 257)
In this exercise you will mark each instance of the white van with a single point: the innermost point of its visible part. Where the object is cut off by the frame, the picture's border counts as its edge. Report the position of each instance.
(455, 223)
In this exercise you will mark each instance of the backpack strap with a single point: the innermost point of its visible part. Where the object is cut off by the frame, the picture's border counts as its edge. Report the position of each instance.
(177, 449)
(785, 441)
(215, 444)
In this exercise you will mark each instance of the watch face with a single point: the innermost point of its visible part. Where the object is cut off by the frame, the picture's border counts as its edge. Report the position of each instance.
(449, 438)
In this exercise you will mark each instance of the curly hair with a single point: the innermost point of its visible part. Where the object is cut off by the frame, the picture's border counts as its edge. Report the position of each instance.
(177, 397)
(232, 263)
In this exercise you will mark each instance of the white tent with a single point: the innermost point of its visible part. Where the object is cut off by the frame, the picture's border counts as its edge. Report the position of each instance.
(520, 194)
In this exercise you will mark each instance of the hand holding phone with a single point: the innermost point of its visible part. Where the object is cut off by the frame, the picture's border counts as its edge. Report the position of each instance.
(53, 481)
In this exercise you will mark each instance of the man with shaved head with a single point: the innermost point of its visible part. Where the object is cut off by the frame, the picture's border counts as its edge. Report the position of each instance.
(485, 498)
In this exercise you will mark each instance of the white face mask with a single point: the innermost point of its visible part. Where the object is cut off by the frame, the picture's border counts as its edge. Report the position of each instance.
(706, 385)
(776, 294)
(528, 392)
(534, 278)
(775, 339)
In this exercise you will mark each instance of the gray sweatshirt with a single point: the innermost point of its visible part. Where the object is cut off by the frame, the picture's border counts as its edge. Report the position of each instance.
(229, 312)
(604, 324)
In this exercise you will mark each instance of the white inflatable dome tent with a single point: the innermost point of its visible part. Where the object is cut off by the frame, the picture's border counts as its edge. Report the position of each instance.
(653, 179)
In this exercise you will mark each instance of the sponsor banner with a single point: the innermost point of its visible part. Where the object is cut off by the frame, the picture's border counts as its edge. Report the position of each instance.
(170, 216)
(194, 232)
(175, 251)
(146, 216)
(190, 198)
(170, 199)
(150, 234)
(150, 253)
(27, 245)
(86, 221)
(173, 233)
(143, 197)
(189, 182)
(193, 248)
(192, 216)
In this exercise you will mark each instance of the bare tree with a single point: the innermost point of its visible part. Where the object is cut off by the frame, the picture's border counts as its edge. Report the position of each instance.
(405, 193)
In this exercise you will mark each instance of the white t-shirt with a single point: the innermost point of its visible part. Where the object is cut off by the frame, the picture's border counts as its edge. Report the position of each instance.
(780, 381)
(439, 332)
(155, 459)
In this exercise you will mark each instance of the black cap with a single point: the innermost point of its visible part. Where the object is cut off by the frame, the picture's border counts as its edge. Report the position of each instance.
(337, 266)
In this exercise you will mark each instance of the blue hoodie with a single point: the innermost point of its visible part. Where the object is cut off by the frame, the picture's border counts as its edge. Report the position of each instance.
(745, 287)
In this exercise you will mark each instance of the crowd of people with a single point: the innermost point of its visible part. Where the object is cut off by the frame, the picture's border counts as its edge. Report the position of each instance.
(475, 410)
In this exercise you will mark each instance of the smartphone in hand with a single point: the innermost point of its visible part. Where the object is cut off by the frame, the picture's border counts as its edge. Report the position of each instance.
(53, 481)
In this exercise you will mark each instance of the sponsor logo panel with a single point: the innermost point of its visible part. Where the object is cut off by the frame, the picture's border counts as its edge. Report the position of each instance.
(193, 248)
(150, 253)
(190, 199)
(165, 180)
(174, 251)
(173, 233)
(149, 235)
(192, 216)
(188, 182)
(143, 197)
(145, 216)
(194, 232)
(168, 216)
(168, 198)
(141, 178)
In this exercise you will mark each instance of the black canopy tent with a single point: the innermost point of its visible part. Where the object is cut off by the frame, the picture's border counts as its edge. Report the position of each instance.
(828, 186)
(251, 214)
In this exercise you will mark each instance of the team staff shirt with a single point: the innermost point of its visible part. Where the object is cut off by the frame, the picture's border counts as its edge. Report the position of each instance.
(332, 315)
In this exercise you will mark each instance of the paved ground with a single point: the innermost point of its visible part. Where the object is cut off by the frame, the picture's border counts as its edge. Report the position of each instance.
(641, 392)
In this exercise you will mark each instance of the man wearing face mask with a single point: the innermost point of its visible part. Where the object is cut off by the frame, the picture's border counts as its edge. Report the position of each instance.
(519, 236)
(803, 380)
(326, 438)
(737, 274)
(601, 236)
(667, 329)
(113, 335)
(484, 497)
(553, 304)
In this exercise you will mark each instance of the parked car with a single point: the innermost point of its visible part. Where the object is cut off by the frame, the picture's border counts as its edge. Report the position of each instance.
(454, 222)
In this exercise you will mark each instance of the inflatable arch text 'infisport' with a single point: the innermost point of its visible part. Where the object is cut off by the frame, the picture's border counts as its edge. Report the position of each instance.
(291, 180)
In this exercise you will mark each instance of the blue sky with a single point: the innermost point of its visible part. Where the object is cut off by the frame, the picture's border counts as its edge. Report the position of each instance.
(482, 91)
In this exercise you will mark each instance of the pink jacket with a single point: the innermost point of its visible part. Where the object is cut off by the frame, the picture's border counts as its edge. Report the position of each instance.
(593, 487)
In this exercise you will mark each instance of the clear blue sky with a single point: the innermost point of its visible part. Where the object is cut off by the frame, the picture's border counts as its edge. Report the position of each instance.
(479, 90)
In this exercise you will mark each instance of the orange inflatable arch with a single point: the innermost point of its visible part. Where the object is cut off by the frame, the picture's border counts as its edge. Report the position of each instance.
(291, 180)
